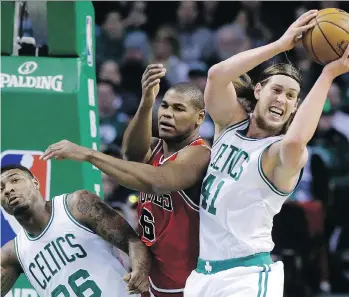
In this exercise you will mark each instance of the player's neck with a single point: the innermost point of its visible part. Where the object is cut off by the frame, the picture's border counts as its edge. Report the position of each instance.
(35, 220)
(171, 147)
(255, 131)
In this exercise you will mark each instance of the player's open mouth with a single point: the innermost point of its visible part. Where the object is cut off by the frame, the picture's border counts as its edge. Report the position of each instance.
(165, 125)
(13, 200)
(277, 112)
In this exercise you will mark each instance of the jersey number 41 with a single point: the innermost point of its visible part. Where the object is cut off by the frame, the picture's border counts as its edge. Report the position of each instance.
(206, 192)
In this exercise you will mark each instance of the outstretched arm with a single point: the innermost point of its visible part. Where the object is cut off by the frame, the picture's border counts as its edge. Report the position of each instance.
(220, 94)
(10, 267)
(290, 155)
(188, 168)
(137, 140)
(91, 211)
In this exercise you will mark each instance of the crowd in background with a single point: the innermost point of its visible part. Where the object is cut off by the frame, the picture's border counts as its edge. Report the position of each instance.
(312, 231)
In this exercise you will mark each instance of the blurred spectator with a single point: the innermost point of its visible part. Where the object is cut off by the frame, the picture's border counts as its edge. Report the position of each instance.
(195, 40)
(136, 17)
(198, 76)
(137, 47)
(166, 51)
(112, 122)
(131, 71)
(113, 192)
(334, 96)
(333, 148)
(210, 14)
(110, 71)
(249, 17)
(109, 44)
(127, 101)
(341, 121)
(229, 40)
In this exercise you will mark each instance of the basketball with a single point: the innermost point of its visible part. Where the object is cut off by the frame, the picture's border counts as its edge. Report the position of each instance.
(328, 40)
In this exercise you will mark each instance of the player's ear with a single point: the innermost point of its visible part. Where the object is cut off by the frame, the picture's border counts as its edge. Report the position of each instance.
(36, 183)
(257, 91)
(200, 117)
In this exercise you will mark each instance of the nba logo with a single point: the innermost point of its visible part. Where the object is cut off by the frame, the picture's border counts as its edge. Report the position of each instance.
(41, 170)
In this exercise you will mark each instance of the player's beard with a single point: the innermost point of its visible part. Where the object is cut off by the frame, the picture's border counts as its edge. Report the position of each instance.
(265, 126)
(21, 210)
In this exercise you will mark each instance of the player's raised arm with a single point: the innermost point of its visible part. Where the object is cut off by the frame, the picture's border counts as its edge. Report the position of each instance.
(291, 152)
(137, 139)
(10, 267)
(184, 172)
(220, 95)
(91, 211)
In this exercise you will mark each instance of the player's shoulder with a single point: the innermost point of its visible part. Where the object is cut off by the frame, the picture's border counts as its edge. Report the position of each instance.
(195, 151)
(8, 253)
(81, 195)
(200, 142)
(80, 201)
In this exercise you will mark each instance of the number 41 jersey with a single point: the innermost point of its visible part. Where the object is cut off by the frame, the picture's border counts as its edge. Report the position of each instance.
(69, 260)
(169, 225)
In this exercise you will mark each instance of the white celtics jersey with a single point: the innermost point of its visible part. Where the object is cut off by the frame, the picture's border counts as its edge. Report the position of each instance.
(238, 202)
(69, 260)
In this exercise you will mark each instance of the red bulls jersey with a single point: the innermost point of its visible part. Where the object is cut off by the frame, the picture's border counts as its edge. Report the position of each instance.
(169, 225)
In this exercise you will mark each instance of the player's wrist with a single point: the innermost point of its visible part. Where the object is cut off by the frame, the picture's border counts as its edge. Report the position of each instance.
(280, 46)
(147, 103)
(328, 74)
(88, 154)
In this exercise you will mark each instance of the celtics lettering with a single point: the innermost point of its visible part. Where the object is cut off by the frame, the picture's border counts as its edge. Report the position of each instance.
(55, 255)
(231, 160)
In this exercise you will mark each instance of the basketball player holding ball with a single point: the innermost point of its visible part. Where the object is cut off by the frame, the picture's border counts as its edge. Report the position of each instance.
(256, 162)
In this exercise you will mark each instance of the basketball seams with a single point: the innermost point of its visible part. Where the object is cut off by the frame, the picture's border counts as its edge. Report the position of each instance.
(317, 24)
(334, 24)
(312, 48)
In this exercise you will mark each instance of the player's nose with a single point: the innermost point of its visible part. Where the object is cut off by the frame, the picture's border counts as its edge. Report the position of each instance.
(281, 98)
(168, 113)
(8, 189)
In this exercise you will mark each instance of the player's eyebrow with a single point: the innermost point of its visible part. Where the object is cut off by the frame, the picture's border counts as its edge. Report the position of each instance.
(280, 86)
(11, 175)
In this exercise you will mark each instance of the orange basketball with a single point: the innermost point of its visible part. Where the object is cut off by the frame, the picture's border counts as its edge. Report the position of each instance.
(328, 40)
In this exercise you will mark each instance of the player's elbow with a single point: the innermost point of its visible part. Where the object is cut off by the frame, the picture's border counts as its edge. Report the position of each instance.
(158, 190)
(219, 75)
(162, 185)
(215, 72)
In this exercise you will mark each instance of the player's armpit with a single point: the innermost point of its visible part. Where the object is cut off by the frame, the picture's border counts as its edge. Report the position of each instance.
(186, 171)
(283, 169)
(10, 267)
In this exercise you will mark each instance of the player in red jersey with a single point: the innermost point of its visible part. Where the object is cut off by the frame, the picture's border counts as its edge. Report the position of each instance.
(169, 178)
